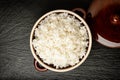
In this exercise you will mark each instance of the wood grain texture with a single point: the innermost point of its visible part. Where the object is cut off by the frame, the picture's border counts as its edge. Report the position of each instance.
(17, 18)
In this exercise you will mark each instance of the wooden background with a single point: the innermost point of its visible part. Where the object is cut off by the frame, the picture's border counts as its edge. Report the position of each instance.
(17, 18)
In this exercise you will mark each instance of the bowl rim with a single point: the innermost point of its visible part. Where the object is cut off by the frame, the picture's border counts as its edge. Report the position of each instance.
(47, 66)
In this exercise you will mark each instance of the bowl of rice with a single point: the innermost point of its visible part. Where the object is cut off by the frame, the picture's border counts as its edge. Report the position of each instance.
(60, 41)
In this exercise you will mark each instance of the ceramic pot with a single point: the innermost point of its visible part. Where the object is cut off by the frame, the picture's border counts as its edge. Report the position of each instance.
(103, 18)
(38, 61)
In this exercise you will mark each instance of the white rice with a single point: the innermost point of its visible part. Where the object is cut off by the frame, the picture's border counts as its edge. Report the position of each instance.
(60, 40)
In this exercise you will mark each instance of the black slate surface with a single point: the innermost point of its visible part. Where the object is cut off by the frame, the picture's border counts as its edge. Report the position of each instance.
(17, 18)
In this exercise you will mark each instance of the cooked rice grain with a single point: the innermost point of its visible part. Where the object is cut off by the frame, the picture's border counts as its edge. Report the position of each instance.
(61, 40)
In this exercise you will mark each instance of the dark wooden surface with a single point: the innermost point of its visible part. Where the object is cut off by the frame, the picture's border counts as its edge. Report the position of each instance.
(17, 18)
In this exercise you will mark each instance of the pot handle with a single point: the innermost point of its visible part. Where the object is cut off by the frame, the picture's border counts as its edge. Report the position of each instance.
(80, 10)
(38, 67)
